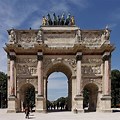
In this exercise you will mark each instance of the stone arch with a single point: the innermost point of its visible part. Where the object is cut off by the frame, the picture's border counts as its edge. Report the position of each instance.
(67, 70)
(95, 83)
(91, 94)
(23, 91)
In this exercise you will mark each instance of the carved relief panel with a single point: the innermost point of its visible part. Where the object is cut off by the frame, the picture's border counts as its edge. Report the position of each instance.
(59, 38)
(91, 39)
(91, 66)
(49, 61)
(26, 65)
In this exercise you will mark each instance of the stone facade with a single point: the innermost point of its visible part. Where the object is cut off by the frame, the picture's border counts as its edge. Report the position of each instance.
(84, 56)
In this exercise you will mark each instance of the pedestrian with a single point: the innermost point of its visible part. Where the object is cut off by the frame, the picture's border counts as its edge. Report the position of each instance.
(27, 111)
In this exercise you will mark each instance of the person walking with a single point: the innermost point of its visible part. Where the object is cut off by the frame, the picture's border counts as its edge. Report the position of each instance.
(27, 111)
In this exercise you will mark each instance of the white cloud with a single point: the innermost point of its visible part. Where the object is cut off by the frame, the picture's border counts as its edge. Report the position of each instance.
(61, 6)
(80, 3)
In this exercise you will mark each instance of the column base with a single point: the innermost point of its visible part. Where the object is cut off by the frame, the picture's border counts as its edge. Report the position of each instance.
(12, 105)
(106, 103)
(78, 104)
(40, 104)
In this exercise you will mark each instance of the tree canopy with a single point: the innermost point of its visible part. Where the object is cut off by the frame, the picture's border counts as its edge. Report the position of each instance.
(3, 90)
(115, 88)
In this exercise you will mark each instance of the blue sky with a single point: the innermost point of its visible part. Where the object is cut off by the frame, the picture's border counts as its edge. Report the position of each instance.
(89, 14)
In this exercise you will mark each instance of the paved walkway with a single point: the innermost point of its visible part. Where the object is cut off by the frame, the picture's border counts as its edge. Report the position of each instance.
(60, 116)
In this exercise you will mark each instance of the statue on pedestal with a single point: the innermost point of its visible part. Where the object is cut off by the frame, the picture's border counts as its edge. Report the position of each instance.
(72, 21)
(39, 36)
(44, 21)
(67, 22)
(12, 36)
(58, 20)
(62, 22)
(55, 22)
(106, 34)
(49, 20)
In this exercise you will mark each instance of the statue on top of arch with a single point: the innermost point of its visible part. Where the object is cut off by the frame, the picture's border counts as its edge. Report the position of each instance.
(106, 34)
(57, 20)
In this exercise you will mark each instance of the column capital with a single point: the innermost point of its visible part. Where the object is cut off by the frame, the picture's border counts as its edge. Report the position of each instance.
(106, 56)
(79, 56)
(12, 56)
(40, 55)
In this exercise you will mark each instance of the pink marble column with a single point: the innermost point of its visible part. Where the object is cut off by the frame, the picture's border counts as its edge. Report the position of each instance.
(12, 74)
(39, 72)
(78, 76)
(106, 57)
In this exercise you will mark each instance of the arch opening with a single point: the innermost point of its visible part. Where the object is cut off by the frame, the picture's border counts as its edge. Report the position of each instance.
(59, 89)
(27, 96)
(90, 95)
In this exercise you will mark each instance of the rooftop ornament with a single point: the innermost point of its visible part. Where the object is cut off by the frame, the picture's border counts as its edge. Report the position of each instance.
(57, 20)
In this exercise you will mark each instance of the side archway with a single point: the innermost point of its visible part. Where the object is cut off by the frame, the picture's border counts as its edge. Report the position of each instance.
(27, 96)
(90, 95)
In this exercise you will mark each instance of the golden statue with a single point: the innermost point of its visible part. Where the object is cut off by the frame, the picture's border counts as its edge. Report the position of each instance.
(44, 21)
(72, 21)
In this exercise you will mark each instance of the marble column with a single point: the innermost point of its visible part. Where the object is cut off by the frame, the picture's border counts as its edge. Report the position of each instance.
(78, 76)
(106, 82)
(12, 56)
(39, 72)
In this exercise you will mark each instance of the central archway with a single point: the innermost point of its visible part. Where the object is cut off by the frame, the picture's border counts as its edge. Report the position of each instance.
(65, 70)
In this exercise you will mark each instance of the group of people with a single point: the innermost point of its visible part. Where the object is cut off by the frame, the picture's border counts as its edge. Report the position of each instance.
(58, 106)
(57, 20)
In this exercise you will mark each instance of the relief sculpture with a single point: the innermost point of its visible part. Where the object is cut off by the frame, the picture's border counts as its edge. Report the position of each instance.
(27, 37)
(26, 66)
(26, 70)
(91, 70)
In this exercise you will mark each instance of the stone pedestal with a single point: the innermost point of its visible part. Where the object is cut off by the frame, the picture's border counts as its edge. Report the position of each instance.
(12, 101)
(106, 103)
(79, 104)
(40, 104)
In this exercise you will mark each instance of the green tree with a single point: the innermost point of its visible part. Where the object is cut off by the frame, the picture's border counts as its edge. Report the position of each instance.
(115, 87)
(3, 90)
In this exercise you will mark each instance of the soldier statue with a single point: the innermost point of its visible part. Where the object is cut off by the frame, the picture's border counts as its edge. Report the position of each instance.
(62, 19)
(72, 21)
(49, 20)
(67, 20)
(55, 22)
(44, 21)
(12, 36)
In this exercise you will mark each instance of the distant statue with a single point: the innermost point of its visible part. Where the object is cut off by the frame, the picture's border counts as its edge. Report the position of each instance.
(67, 20)
(106, 34)
(44, 21)
(58, 20)
(72, 21)
(49, 20)
(55, 22)
(12, 36)
(78, 35)
(62, 19)
(39, 36)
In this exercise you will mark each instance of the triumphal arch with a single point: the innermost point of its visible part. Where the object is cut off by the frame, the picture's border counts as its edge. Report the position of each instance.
(84, 56)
